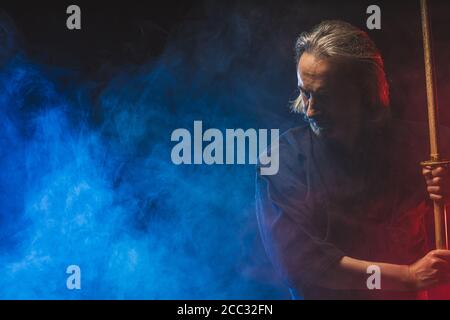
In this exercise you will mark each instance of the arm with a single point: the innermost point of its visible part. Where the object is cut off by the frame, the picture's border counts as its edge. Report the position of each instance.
(351, 273)
(429, 271)
(303, 259)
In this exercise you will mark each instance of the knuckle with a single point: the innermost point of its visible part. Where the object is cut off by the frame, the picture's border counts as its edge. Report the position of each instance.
(434, 262)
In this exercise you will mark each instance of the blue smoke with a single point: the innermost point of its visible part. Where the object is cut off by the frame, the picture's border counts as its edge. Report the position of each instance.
(87, 179)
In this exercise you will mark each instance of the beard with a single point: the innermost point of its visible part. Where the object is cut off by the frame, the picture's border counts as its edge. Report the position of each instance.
(320, 131)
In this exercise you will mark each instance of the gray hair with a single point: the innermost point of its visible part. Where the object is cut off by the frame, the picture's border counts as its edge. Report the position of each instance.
(340, 39)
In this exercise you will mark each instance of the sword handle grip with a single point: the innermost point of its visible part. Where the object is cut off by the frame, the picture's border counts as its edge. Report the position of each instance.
(440, 225)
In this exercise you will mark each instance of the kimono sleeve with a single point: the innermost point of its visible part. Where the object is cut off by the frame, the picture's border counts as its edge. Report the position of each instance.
(292, 242)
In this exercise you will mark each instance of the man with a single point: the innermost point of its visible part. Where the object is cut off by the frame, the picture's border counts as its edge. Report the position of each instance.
(349, 193)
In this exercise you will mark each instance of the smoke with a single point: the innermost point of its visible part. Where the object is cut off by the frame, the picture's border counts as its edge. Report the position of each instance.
(87, 178)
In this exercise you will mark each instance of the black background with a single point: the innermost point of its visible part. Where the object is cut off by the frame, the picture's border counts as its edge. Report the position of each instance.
(132, 32)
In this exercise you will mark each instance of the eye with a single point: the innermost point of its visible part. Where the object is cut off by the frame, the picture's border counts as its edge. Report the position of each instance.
(305, 94)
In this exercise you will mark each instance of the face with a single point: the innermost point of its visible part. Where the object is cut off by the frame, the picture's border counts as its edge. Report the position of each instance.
(331, 98)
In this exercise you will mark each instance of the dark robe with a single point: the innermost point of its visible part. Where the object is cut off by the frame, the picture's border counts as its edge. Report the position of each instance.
(324, 204)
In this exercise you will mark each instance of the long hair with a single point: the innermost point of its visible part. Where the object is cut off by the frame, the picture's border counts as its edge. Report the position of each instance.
(338, 39)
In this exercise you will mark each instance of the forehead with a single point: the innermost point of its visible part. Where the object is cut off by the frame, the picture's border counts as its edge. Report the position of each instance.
(314, 73)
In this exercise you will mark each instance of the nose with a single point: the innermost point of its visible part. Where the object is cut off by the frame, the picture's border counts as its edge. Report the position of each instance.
(311, 110)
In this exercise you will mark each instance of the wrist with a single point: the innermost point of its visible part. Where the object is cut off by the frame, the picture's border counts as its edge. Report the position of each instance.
(399, 277)
(409, 279)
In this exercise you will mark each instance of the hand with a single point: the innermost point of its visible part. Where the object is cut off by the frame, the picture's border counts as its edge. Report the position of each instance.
(431, 270)
(438, 183)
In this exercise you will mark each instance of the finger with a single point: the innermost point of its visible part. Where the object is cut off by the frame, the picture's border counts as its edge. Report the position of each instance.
(427, 172)
(441, 264)
(434, 181)
(441, 253)
(434, 190)
(436, 197)
(439, 171)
